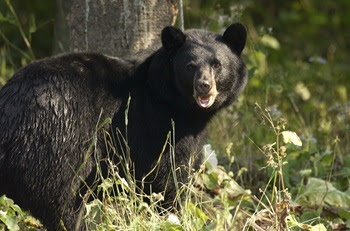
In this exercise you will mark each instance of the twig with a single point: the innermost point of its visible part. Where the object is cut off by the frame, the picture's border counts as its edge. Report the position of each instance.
(26, 41)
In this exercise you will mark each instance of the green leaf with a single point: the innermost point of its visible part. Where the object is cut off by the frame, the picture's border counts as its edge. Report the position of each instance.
(291, 137)
(210, 180)
(309, 215)
(316, 192)
(270, 41)
(172, 227)
(293, 222)
(305, 172)
(348, 224)
(302, 91)
(344, 214)
(319, 227)
(32, 24)
(10, 222)
(8, 18)
(199, 214)
(2, 200)
(17, 209)
(93, 209)
(106, 185)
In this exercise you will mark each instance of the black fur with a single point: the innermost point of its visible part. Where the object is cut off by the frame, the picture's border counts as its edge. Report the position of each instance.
(50, 109)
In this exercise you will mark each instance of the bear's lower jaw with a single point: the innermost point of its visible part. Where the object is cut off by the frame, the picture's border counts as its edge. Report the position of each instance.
(205, 101)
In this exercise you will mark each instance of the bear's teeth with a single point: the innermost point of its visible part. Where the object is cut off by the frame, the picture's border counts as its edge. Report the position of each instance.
(205, 101)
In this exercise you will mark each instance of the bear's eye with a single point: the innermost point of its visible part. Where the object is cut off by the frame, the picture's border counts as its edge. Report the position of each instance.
(191, 66)
(217, 65)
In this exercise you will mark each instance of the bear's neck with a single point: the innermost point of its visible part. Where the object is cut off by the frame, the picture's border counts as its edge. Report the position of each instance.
(179, 111)
(150, 122)
(187, 119)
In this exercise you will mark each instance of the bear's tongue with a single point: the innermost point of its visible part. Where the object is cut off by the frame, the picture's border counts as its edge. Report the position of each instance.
(205, 101)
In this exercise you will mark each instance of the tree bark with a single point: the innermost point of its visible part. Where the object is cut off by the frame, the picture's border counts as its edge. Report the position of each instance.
(112, 27)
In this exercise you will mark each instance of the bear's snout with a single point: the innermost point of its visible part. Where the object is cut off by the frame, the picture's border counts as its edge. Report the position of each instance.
(203, 86)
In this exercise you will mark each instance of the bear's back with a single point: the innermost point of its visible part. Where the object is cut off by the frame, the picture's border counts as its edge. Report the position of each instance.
(50, 112)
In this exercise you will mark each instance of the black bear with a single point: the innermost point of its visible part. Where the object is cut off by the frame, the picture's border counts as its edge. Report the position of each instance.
(50, 110)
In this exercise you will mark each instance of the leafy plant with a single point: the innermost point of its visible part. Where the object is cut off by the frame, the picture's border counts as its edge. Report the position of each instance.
(13, 218)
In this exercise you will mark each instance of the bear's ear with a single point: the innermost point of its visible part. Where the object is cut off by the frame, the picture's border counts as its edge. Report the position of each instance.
(235, 37)
(172, 38)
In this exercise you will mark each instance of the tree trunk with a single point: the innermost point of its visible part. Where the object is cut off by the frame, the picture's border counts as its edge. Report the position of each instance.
(112, 27)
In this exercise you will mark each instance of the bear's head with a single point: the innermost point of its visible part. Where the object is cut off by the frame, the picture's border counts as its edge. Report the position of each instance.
(198, 69)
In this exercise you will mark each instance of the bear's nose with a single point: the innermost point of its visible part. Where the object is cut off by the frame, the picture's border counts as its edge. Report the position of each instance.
(203, 87)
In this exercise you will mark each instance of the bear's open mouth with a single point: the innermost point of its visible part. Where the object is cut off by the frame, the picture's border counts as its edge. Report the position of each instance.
(205, 101)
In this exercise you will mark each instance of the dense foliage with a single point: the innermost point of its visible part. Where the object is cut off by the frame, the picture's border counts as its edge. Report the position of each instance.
(286, 141)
